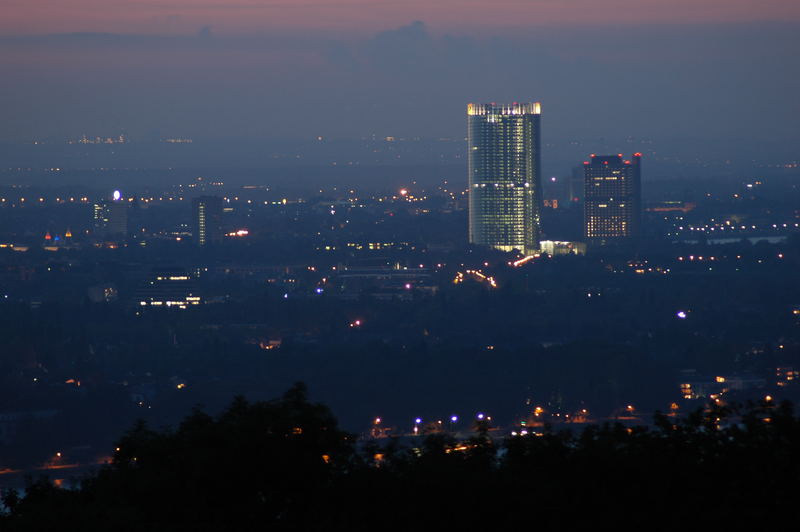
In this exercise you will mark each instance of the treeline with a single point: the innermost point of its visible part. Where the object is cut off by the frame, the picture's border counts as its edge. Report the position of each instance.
(285, 465)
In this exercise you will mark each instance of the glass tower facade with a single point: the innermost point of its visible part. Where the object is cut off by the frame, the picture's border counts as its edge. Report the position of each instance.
(612, 200)
(504, 175)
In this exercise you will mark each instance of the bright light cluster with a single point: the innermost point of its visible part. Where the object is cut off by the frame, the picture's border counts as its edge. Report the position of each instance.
(477, 275)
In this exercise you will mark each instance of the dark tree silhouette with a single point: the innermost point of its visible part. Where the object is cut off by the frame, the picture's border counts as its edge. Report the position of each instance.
(284, 465)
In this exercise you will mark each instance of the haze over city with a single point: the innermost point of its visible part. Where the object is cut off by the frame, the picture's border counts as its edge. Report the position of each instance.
(666, 69)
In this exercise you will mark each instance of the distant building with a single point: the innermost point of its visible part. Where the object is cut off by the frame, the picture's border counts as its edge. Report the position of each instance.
(576, 179)
(557, 191)
(110, 217)
(382, 283)
(102, 293)
(207, 220)
(612, 202)
(555, 248)
(505, 198)
(672, 206)
(168, 288)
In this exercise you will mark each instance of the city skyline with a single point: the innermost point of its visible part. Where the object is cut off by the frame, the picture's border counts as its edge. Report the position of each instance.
(250, 245)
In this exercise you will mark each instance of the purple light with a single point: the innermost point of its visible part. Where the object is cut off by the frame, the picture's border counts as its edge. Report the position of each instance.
(418, 421)
(454, 419)
(319, 290)
(681, 314)
(481, 416)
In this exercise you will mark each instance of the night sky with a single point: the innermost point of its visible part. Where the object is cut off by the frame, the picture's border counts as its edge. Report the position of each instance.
(701, 69)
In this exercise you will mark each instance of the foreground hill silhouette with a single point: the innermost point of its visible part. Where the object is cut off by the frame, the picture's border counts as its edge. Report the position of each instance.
(284, 465)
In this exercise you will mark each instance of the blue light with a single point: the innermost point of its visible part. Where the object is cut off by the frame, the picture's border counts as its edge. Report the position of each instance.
(681, 314)
(418, 421)
(285, 296)
(454, 419)
(319, 290)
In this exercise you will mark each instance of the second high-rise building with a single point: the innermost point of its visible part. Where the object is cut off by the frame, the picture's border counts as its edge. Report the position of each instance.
(504, 175)
(612, 200)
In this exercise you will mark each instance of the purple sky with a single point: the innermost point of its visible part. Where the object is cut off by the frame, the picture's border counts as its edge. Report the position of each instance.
(701, 68)
(154, 16)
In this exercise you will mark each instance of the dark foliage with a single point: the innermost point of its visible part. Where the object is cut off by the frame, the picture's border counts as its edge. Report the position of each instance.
(284, 465)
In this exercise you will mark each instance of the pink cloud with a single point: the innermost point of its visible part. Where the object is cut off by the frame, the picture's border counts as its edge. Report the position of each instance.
(149, 16)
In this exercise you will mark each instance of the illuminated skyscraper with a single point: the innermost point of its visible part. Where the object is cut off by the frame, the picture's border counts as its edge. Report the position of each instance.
(207, 220)
(505, 175)
(612, 200)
